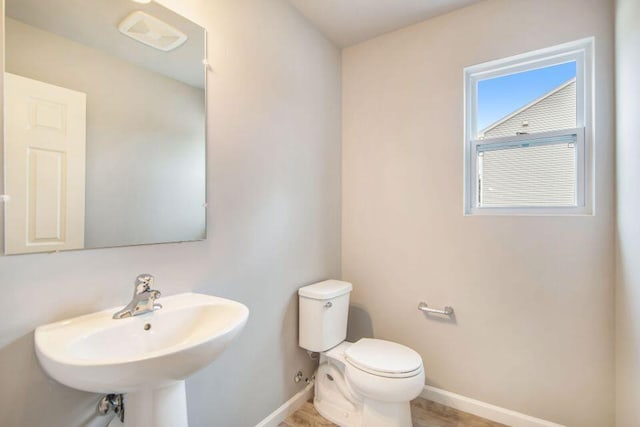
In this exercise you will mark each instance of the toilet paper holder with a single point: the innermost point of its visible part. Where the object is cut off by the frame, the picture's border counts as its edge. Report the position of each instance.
(448, 311)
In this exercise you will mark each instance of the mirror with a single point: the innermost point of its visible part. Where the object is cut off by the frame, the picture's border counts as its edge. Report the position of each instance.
(104, 141)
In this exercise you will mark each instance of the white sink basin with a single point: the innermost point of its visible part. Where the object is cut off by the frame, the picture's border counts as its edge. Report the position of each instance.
(149, 354)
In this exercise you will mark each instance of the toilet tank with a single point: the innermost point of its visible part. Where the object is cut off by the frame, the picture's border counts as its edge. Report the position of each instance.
(324, 310)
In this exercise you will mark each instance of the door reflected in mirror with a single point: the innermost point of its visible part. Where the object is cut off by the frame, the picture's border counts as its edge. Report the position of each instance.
(104, 140)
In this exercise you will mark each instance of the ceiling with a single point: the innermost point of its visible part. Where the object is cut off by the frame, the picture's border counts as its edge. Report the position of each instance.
(95, 24)
(347, 22)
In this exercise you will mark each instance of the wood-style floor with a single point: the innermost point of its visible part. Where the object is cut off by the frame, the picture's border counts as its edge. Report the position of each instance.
(425, 413)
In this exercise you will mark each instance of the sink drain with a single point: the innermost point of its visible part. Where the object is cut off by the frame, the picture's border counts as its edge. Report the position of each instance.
(147, 326)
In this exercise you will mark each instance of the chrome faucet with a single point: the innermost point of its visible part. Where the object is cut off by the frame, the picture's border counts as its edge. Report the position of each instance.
(144, 298)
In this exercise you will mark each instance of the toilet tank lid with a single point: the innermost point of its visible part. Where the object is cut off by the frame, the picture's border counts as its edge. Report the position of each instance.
(325, 290)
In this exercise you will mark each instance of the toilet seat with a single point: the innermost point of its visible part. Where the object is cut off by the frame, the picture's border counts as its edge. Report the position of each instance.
(384, 358)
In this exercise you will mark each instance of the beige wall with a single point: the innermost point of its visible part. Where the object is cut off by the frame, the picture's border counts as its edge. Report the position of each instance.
(274, 225)
(628, 209)
(534, 325)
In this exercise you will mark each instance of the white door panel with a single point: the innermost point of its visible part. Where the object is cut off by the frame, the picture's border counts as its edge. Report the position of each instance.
(45, 144)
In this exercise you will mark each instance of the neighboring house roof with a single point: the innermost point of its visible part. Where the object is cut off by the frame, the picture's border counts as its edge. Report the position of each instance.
(554, 110)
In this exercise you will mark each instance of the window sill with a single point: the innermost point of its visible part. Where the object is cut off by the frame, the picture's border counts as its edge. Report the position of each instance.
(530, 211)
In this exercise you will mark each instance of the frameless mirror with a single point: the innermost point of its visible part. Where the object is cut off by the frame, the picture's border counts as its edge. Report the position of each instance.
(104, 112)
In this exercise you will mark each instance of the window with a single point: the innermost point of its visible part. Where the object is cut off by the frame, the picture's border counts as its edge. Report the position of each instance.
(528, 133)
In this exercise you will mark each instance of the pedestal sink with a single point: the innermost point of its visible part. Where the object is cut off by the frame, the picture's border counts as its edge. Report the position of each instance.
(145, 357)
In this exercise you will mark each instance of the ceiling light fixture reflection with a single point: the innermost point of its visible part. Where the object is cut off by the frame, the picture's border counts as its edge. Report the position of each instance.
(152, 31)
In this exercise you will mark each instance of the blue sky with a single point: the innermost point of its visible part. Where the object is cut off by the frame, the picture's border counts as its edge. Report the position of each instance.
(502, 95)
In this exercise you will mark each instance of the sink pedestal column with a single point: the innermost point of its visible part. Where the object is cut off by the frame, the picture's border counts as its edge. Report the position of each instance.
(159, 407)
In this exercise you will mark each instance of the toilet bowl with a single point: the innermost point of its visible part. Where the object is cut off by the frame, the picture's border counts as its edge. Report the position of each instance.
(368, 383)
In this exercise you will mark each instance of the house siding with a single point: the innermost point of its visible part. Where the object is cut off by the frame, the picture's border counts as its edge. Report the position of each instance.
(532, 175)
(529, 176)
(554, 112)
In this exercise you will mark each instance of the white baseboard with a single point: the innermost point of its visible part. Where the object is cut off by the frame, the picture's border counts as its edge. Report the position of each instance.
(289, 407)
(484, 410)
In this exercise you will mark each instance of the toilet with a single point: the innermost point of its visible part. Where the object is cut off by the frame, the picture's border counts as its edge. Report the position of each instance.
(368, 383)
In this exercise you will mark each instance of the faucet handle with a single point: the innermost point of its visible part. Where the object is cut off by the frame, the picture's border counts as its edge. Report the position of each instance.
(143, 283)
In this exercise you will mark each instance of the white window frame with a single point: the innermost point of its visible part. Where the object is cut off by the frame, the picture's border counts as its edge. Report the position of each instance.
(580, 51)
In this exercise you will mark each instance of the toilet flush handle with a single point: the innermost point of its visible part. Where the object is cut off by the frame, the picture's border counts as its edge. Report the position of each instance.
(328, 305)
